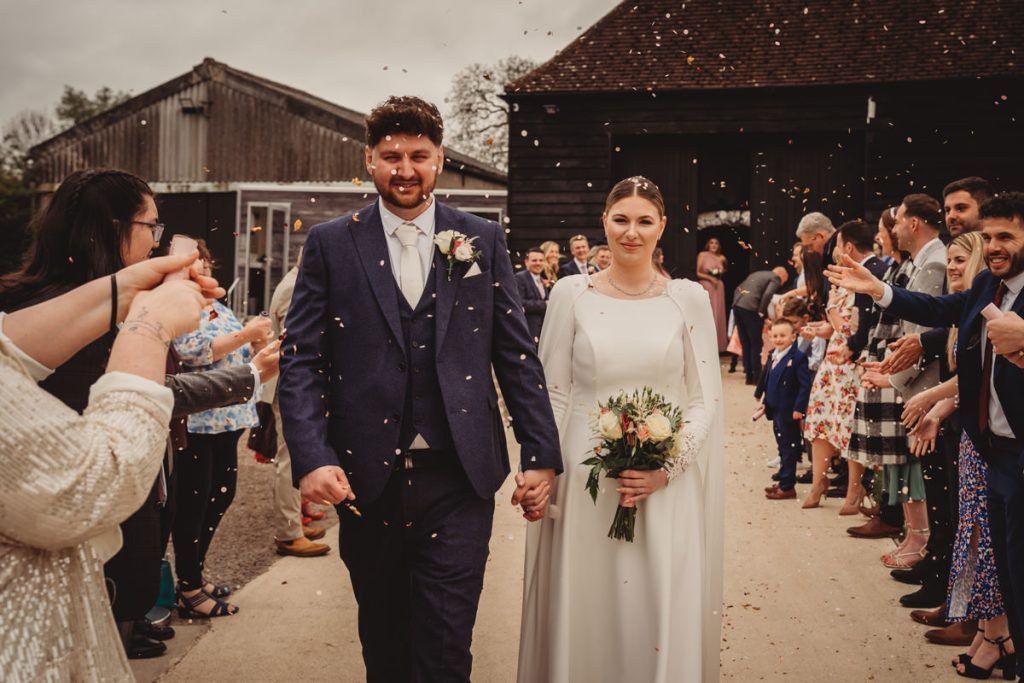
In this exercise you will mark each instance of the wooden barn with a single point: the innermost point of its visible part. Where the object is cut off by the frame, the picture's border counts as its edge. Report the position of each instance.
(750, 114)
(247, 164)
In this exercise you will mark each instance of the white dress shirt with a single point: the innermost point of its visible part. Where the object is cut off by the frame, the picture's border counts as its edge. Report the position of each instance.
(425, 241)
(997, 422)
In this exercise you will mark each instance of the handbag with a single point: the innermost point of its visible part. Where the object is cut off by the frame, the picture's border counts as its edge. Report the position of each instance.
(263, 437)
(734, 346)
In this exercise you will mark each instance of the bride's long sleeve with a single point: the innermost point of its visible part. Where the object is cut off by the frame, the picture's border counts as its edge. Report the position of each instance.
(696, 412)
(556, 340)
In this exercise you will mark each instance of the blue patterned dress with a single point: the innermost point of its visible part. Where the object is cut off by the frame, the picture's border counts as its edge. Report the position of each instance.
(973, 584)
(196, 351)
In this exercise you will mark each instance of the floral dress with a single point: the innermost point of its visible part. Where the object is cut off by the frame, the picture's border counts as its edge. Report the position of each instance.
(196, 352)
(973, 583)
(834, 391)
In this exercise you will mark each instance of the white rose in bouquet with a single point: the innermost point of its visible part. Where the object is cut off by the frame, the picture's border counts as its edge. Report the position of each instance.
(443, 240)
(464, 252)
(659, 427)
(610, 426)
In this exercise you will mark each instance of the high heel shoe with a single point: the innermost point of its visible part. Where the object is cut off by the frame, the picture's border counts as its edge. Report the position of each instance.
(1007, 662)
(894, 560)
(813, 499)
(851, 508)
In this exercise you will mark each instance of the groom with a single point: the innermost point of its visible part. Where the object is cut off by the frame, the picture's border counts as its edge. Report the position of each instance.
(389, 406)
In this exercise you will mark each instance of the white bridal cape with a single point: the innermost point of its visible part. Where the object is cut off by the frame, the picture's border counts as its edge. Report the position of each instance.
(596, 609)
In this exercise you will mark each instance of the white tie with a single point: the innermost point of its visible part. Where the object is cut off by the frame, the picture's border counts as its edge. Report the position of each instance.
(410, 267)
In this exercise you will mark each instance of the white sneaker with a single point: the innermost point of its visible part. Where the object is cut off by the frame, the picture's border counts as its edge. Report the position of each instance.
(773, 462)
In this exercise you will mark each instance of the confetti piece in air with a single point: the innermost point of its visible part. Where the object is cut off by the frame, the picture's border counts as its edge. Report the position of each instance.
(297, 225)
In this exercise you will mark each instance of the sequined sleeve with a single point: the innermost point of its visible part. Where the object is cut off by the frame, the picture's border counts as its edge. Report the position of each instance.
(65, 477)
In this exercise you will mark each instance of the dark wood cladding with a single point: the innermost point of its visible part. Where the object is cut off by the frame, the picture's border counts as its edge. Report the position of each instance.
(780, 152)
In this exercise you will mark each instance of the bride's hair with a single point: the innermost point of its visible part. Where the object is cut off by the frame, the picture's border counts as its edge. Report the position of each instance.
(637, 186)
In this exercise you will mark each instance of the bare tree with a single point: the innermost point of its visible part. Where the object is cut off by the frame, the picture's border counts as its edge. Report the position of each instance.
(477, 122)
(76, 106)
(21, 132)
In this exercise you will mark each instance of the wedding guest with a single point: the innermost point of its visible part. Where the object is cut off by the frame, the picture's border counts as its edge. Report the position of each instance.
(290, 532)
(750, 306)
(533, 292)
(658, 259)
(988, 392)
(552, 261)
(711, 267)
(917, 230)
(68, 479)
(968, 572)
(878, 439)
(579, 247)
(785, 387)
(817, 235)
(600, 257)
(834, 392)
(855, 239)
(208, 468)
(812, 346)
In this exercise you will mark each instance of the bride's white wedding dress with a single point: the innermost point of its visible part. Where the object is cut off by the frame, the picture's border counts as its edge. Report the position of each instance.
(597, 609)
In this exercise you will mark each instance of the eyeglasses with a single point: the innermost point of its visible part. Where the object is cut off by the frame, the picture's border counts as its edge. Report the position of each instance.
(156, 228)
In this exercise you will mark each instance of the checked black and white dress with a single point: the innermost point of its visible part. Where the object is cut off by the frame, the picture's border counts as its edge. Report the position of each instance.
(878, 436)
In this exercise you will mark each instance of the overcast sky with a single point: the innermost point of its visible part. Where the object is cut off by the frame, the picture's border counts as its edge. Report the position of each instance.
(336, 50)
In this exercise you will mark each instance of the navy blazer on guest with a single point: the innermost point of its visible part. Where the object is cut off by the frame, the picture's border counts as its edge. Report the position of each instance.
(572, 268)
(344, 369)
(786, 387)
(963, 309)
(533, 305)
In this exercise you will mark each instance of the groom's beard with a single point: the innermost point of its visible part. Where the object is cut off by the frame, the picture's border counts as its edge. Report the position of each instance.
(416, 193)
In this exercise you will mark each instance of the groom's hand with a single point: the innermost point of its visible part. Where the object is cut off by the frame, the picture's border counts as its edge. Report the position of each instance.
(326, 485)
(533, 491)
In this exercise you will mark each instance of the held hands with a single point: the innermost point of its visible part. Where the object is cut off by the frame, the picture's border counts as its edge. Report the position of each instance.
(326, 485)
(167, 312)
(905, 352)
(874, 379)
(637, 485)
(924, 435)
(147, 274)
(855, 278)
(533, 492)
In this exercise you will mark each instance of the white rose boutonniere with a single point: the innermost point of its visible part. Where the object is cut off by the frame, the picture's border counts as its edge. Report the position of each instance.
(456, 247)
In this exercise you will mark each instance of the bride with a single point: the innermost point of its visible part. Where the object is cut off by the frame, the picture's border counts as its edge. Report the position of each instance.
(597, 609)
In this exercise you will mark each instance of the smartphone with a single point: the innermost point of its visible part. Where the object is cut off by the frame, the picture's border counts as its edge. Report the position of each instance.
(180, 244)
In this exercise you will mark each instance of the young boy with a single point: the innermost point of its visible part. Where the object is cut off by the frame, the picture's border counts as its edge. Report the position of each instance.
(784, 390)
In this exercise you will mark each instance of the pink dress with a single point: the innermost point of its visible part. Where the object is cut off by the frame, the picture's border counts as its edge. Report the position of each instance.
(716, 290)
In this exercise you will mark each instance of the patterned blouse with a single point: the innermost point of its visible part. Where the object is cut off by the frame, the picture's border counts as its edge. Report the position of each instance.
(196, 351)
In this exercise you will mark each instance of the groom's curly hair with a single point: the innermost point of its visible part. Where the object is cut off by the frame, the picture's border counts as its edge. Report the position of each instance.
(404, 114)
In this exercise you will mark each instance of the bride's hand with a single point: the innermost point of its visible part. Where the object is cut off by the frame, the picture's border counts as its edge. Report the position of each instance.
(636, 485)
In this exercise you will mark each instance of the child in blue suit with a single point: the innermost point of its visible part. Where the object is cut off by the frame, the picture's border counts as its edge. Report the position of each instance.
(784, 389)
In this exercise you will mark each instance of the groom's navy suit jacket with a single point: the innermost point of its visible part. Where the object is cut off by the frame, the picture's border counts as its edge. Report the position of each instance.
(345, 366)
(963, 309)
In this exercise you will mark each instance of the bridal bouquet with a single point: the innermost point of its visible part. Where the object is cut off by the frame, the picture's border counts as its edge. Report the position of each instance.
(638, 431)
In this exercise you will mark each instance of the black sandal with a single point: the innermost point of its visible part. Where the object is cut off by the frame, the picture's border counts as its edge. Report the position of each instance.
(187, 606)
(218, 591)
(1007, 662)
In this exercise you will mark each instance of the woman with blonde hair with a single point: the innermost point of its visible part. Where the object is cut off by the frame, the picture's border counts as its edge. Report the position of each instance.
(552, 260)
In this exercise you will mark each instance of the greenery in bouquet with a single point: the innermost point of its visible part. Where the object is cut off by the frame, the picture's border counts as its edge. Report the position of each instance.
(638, 431)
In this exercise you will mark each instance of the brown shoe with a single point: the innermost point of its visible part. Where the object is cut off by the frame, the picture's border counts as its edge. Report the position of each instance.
(779, 494)
(875, 528)
(302, 547)
(936, 618)
(773, 487)
(313, 533)
(961, 634)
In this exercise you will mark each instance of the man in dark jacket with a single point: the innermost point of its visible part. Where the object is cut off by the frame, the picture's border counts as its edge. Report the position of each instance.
(533, 291)
(750, 306)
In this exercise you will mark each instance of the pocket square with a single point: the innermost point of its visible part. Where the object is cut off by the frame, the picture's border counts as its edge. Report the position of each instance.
(473, 271)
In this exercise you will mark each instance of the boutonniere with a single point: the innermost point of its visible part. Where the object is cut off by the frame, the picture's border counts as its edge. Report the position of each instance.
(456, 247)
(789, 363)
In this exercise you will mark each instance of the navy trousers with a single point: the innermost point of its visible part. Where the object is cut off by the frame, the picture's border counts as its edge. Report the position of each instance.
(416, 558)
(750, 326)
(1006, 522)
(791, 443)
